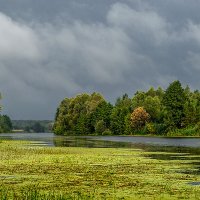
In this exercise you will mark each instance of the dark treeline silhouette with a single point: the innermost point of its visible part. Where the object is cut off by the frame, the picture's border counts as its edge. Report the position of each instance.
(5, 124)
(175, 111)
(32, 126)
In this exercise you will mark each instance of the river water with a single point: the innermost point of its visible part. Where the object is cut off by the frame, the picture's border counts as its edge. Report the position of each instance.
(172, 144)
(103, 141)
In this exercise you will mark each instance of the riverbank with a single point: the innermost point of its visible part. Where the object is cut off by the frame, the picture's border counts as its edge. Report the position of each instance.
(92, 173)
(96, 135)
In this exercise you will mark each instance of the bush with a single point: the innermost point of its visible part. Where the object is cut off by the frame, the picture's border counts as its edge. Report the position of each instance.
(150, 128)
(197, 127)
(140, 131)
(58, 130)
(107, 132)
(160, 129)
(100, 127)
(188, 131)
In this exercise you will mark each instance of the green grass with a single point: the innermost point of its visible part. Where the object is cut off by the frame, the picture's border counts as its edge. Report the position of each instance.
(80, 173)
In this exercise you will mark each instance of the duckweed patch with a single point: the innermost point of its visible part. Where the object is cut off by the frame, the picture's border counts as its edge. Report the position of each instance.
(34, 172)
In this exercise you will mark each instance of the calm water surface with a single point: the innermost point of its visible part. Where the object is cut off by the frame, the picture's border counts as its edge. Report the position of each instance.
(184, 145)
(103, 141)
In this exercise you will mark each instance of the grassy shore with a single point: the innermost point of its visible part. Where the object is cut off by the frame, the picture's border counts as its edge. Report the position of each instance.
(31, 172)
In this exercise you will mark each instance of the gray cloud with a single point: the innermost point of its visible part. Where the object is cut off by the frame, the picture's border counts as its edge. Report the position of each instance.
(58, 49)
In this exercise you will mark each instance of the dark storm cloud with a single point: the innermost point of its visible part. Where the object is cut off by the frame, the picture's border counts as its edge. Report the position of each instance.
(52, 49)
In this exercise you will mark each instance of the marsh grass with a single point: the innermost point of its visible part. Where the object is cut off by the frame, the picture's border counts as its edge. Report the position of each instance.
(31, 172)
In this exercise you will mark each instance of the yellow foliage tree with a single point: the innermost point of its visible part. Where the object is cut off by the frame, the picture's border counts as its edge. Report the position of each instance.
(139, 118)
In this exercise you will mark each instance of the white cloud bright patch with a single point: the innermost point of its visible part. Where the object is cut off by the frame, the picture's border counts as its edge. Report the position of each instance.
(16, 40)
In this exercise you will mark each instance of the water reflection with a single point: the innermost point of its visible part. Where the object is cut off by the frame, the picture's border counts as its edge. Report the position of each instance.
(89, 143)
(108, 141)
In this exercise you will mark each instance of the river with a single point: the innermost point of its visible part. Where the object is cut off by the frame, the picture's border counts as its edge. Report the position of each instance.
(51, 139)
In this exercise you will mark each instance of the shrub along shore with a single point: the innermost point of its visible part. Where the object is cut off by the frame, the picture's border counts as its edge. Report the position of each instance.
(171, 112)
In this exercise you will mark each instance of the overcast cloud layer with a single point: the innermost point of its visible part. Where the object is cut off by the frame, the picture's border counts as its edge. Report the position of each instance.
(52, 49)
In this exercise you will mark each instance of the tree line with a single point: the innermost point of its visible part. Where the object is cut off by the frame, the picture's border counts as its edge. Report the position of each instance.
(32, 126)
(174, 111)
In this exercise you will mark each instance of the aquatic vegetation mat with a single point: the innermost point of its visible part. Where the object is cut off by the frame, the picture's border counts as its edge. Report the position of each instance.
(35, 172)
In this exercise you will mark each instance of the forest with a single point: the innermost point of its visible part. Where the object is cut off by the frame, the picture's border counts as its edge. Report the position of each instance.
(33, 126)
(171, 112)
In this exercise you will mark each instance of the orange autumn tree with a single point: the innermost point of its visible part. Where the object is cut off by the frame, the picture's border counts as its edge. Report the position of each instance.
(139, 118)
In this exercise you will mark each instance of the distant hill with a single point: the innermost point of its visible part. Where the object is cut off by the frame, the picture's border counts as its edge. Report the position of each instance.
(32, 125)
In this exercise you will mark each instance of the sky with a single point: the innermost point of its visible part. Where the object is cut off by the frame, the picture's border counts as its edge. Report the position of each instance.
(51, 49)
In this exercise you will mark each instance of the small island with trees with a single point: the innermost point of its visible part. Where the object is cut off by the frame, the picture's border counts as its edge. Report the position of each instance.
(173, 112)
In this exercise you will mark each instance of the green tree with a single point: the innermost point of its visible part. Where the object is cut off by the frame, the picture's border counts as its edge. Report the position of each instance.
(139, 99)
(73, 116)
(191, 107)
(100, 127)
(27, 129)
(81, 127)
(122, 108)
(38, 128)
(5, 124)
(103, 112)
(174, 100)
(127, 123)
(151, 102)
(154, 107)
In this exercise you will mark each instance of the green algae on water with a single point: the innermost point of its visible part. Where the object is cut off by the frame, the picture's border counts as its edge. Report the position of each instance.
(34, 172)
